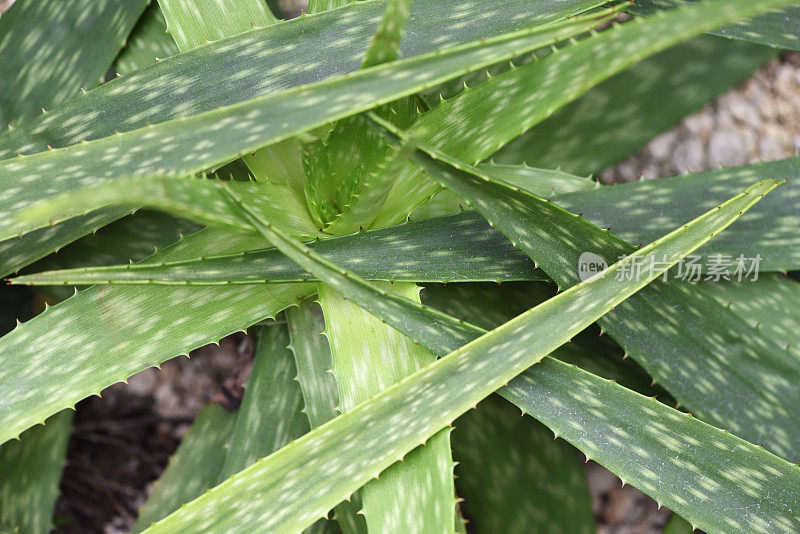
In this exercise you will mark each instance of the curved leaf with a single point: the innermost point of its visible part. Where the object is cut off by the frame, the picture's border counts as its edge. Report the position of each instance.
(356, 446)
(30, 475)
(189, 145)
(637, 104)
(224, 73)
(103, 335)
(517, 100)
(780, 29)
(514, 478)
(46, 60)
(729, 361)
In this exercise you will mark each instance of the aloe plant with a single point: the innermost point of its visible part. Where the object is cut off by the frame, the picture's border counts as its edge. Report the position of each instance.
(358, 175)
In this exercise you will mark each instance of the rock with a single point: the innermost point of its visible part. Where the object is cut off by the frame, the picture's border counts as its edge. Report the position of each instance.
(689, 155)
(726, 149)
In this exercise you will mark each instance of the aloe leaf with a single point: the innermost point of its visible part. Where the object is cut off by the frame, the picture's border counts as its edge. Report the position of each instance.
(113, 339)
(29, 249)
(161, 91)
(130, 239)
(506, 471)
(636, 104)
(317, 6)
(368, 356)
(147, 43)
(542, 182)
(37, 74)
(18, 252)
(193, 468)
(313, 360)
(447, 249)
(463, 248)
(30, 475)
(763, 305)
(558, 243)
(349, 171)
(488, 306)
(216, 19)
(270, 414)
(385, 43)
(363, 206)
(540, 88)
(628, 211)
(200, 199)
(248, 125)
(719, 482)
(221, 443)
(641, 482)
(104, 342)
(284, 494)
(778, 29)
(312, 356)
(377, 300)
(683, 197)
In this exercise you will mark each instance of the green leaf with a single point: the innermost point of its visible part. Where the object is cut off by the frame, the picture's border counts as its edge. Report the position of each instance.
(378, 300)
(18, 252)
(188, 145)
(349, 172)
(636, 104)
(635, 212)
(489, 305)
(729, 363)
(103, 335)
(45, 58)
(203, 200)
(312, 356)
(768, 305)
(448, 249)
(221, 443)
(30, 475)
(525, 96)
(462, 248)
(317, 6)
(717, 481)
(356, 446)
(643, 480)
(28, 250)
(130, 239)
(263, 61)
(192, 24)
(147, 43)
(193, 468)
(386, 41)
(270, 414)
(778, 29)
(514, 477)
(368, 356)
(374, 186)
